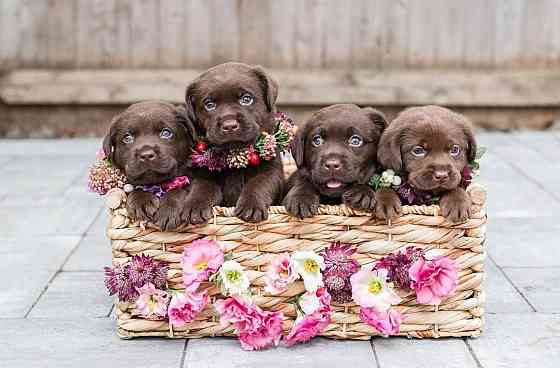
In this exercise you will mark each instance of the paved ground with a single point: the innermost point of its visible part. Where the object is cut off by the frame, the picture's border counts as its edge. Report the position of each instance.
(54, 311)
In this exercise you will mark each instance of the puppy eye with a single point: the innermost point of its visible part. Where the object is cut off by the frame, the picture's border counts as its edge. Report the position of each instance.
(317, 140)
(246, 99)
(455, 150)
(128, 138)
(355, 141)
(419, 151)
(209, 105)
(166, 133)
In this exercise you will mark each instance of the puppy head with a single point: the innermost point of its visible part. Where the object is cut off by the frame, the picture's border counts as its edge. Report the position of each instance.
(430, 144)
(232, 103)
(150, 141)
(337, 147)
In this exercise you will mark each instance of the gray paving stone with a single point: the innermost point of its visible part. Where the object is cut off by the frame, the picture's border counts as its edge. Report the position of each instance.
(74, 295)
(442, 353)
(545, 143)
(99, 226)
(319, 353)
(541, 286)
(20, 290)
(521, 242)
(49, 147)
(501, 296)
(92, 254)
(89, 342)
(519, 340)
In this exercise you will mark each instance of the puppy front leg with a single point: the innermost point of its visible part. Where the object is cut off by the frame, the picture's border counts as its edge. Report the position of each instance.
(204, 194)
(169, 215)
(142, 206)
(359, 197)
(259, 192)
(303, 199)
(456, 205)
(387, 204)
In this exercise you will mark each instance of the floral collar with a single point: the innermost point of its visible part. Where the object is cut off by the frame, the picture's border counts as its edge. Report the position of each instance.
(266, 147)
(413, 196)
(159, 189)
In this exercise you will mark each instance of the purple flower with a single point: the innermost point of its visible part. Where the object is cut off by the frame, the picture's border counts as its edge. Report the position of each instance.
(118, 283)
(211, 159)
(144, 269)
(339, 266)
(466, 176)
(398, 264)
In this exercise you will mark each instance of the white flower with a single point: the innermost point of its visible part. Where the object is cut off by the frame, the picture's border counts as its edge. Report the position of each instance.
(234, 279)
(388, 173)
(309, 302)
(387, 178)
(397, 180)
(309, 265)
(370, 289)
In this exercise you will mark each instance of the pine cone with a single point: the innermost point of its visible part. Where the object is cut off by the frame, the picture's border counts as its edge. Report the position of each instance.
(237, 158)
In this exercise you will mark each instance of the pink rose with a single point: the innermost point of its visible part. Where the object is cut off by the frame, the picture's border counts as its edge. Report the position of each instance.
(312, 324)
(280, 274)
(257, 329)
(388, 323)
(184, 307)
(433, 279)
(152, 303)
(201, 258)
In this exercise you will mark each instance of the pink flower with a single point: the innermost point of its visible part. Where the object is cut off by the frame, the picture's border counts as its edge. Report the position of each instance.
(178, 182)
(313, 324)
(388, 323)
(280, 274)
(434, 279)
(184, 307)
(371, 289)
(200, 259)
(257, 329)
(152, 303)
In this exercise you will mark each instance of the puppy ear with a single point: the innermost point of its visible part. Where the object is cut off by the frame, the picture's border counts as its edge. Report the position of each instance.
(109, 140)
(389, 151)
(297, 147)
(185, 121)
(472, 146)
(269, 87)
(377, 117)
(190, 110)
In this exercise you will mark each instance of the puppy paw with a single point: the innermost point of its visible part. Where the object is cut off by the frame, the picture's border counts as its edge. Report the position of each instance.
(197, 211)
(301, 205)
(142, 206)
(456, 205)
(387, 204)
(170, 213)
(251, 210)
(359, 197)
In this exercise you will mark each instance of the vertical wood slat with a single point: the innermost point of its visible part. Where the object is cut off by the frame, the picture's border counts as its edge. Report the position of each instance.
(123, 34)
(541, 20)
(337, 32)
(366, 33)
(225, 31)
(422, 40)
(62, 35)
(449, 32)
(254, 31)
(96, 26)
(478, 34)
(171, 35)
(509, 32)
(145, 29)
(395, 37)
(309, 37)
(282, 33)
(197, 39)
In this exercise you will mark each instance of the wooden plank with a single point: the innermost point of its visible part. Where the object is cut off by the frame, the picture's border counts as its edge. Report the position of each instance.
(123, 36)
(282, 33)
(395, 33)
(62, 51)
(338, 36)
(309, 39)
(478, 34)
(366, 33)
(197, 38)
(553, 38)
(145, 29)
(538, 33)
(225, 31)
(509, 33)
(450, 32)
(254, 21)
(96, 28)
(171, 35)
(422, 38)
(526, 88)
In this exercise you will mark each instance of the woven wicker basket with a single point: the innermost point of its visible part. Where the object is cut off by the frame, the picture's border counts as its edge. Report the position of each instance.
(253, 245)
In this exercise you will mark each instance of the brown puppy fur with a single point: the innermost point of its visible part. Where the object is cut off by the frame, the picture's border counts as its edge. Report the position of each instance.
(150, 142)
(335, 152)
(231, 104)
(430, 146)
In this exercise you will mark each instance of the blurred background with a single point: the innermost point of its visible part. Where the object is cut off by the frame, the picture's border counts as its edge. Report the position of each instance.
(67, 66)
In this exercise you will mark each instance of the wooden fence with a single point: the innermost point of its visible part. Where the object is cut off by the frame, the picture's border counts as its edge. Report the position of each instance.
(371, 34)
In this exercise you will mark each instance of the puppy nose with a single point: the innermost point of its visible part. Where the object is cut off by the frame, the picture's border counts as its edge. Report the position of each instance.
(230, 126)
(333, 164)
(440, 175)
(147, 155)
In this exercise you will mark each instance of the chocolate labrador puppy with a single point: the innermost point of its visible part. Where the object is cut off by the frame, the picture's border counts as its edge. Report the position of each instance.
(150, 142)
(231, 104)
(429, 146)
(335, 152)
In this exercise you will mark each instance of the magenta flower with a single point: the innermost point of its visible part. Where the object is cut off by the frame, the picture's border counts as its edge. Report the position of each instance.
(434, 279)
(184, 307)
(201, 258)
(388, 322)
(397, 265)
(257, 329)
(152, 303)
(144, 269)
(311, 325)
(211, 159)
(118, 283)
(339, 266)
(280, 274)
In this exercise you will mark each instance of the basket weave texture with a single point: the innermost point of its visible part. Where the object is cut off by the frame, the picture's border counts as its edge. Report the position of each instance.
(253, 246)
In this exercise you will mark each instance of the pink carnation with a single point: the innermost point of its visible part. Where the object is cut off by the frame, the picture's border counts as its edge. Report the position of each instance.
(434, 279)
(200, 259)
(280, 274)
(184, 307)
(152, 303)
(312, 324)
(388, 323)
(257, 329)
